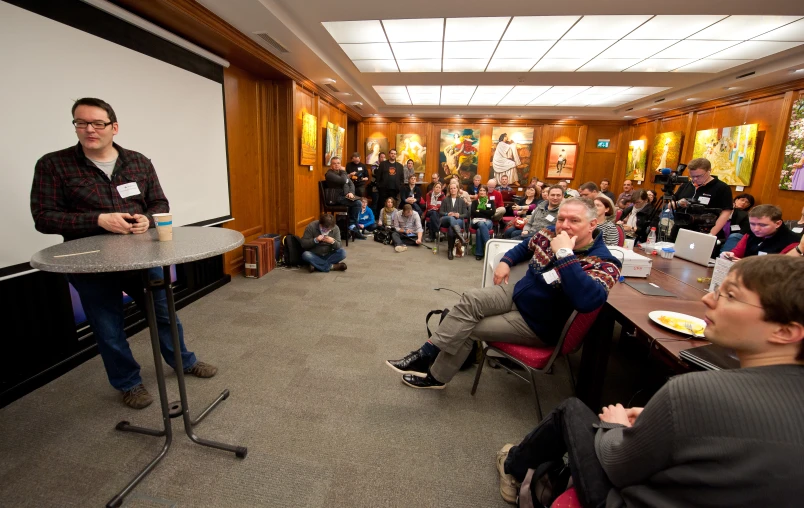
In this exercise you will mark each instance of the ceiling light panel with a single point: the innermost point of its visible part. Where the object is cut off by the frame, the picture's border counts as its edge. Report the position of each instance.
(414, 30)
(346, 32)
(416, 50)
(646, 90)
(743, 27)
(465, 65)
(531, 28)
(616, 100)
(791, 32)
(659, 64)
(424, 65)
(558, 64)
(673, 27)
(386, 89)
(523, 49)
(475, 29)
(751, 50)
(376, 65)
(425, 95)
(605, 27)
(469, 49)
(578, 49)
(694, 49)
(522, 95)
(636, 48)
(368, 51)
(456, 95)
(711, 65)
(489, 95)
(510, 64)
(605, 91)
(609, 64)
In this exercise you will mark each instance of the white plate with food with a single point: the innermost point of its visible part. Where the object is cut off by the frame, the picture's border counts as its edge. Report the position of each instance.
(681, 323)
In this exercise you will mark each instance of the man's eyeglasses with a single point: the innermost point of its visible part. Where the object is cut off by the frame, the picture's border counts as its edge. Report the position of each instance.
(699, 177)
(717, 294)
(98, 125)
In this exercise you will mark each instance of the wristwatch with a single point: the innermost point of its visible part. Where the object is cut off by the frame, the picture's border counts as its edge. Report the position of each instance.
(563, 252)
(798, 249)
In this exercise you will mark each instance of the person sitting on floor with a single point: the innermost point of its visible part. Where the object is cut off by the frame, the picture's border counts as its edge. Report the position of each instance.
(411, 195)
(321, 242)
(714, 438)
(496, 199)
(407, 229)
(635, 220)
(605, 220)
(432, 205)
(387, 214)
(568, 270)
(481, 214)
(543, 215)
(768, 235)
(365, 219)
(336, 177)
(453, 211)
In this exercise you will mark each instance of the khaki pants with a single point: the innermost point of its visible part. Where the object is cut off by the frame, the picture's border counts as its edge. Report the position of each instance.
(486, 314)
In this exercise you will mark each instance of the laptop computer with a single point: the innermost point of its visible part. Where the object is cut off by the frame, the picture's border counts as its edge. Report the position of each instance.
(694, 246)
(711, 357)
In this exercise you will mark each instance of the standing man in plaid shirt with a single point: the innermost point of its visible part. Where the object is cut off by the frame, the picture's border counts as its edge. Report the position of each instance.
(97, 187)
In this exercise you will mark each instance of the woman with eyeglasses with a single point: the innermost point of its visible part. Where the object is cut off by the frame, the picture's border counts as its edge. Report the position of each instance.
(636, 218)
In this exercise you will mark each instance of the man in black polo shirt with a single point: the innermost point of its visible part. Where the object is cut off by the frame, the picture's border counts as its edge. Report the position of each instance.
(706, 190)
(98, 187)
(358, 173)
(390, 177)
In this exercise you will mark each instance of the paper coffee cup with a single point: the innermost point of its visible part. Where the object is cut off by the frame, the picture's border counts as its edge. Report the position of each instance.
(164, 226)
(629, 244)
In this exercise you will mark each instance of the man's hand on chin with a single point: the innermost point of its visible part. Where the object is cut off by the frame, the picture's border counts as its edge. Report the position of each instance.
(562, 241)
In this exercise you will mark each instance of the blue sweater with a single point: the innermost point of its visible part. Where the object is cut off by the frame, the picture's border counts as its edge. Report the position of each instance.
(584, 281)
(366, 218)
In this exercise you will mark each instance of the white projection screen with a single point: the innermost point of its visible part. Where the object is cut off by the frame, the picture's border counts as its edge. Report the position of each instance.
(172, 115)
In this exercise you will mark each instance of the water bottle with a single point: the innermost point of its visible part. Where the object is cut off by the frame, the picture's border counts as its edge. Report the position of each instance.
(666, 222)
(652, 237)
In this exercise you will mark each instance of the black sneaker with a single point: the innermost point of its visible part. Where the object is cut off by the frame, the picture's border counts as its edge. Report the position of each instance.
(415, 363)
(425, 383)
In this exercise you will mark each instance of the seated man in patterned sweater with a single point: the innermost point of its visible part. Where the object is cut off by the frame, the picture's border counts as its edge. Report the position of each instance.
(569, 269)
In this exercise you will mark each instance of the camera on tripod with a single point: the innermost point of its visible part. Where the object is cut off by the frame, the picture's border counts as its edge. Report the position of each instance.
(697, 217)
(670, 179)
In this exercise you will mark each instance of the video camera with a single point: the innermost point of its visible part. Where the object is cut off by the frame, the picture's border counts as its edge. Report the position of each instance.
(669, 178)
(697, 217)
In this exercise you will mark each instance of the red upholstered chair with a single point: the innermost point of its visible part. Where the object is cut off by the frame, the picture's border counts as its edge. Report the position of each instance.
(618, 216)
(620, 236)
(569, 499)
(539, 360)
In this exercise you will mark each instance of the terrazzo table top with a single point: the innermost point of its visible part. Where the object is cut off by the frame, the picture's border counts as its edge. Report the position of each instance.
(116, 253)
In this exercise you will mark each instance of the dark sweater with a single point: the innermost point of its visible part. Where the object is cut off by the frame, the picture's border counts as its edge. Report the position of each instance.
(712, 439)
(482, 213)
(312, 231)
(406, 192)
(390, 175)
(459, 207)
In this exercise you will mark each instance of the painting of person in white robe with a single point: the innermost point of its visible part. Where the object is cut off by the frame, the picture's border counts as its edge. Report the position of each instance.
(506, 159)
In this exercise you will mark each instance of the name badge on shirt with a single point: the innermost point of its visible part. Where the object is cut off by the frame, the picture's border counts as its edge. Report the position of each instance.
(735, 227)
(704, 200)
(550, 218)
(550, 277)
(128, 189)
(798, 230)
(491, 198)
(760, 253)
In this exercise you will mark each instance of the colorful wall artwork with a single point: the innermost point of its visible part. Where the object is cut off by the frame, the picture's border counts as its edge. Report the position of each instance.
(330, 142)
(561, 160)
(792, 177)
(511, 149)
(730, 150)
(308, 139)
(636, 161)
(666, 152)
(458, 153)
(340, 142)
(411, 147)
(373, 148)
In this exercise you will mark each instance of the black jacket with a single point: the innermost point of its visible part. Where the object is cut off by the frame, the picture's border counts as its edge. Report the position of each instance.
(643, 221)
(406, 193)
(390, 175)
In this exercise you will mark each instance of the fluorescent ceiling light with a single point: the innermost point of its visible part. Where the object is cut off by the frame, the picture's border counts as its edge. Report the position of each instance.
(531, 28)
(489, 95)
(673, 27)
(510, 65)
(558, 64)
(659, 64)
(694, 49)
(791, 32)
(605, 91)
(711, 65)
(616, 100)
(752, 50)
(523, 49)
(568, 90)
(397, 103)
(475, 29)
(646, 90)
(382, 89)
(636, 48)
(416, 50)
(376, 65)
(743, 27)
(521, 95)
(605, 27)
(369, 51)
(575, 101)
(465, 65)
(469, 49)
(609, 64)
(425, 65)
(456, 95)
(414, 30)
(585, 50)
(425, 95)
(345, 32)
(547, 100)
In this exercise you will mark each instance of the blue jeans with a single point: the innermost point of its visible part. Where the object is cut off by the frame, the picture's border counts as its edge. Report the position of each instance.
(483, 229)
(448, 222)
(323, 263)
(435, 221)
(102, 299)
(731, 242)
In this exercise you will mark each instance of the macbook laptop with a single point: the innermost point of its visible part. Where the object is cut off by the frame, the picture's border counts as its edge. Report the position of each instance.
(711, 357)
(694, 246)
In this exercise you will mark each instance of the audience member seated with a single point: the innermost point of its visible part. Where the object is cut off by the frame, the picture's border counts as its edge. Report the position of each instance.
(481, 214)
(605, 185)
(409, 170)
(411, 195)
(322, 245)
(738, 224)
(712, 438)
(365, 219)
(359, 174)
(467, 198)
(744, 202)
(433, 180)
(543, 215)
(796, 226)
(523, 205)
(605, 220)
(336, 177)
(472, 189)
(652, 199)
(568, 192)
(496, 199)
(636, 218)
(589, 190)
(798, 250)
(543, 194)
(407, 229)
(625, 199)
(432, 205)
(569, 270)
(768, 235)
(385, 219)
(376, 202)
(504, 187)
(453, 212)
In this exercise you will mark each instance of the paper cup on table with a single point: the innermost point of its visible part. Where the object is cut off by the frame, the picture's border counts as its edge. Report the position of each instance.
(164, 226)
(629, 244)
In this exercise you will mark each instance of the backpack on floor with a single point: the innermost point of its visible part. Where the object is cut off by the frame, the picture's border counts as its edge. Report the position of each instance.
(383, 236)
(472, 358)
(291, 251)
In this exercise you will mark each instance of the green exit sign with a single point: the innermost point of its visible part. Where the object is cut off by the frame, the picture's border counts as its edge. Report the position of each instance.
(602, 143)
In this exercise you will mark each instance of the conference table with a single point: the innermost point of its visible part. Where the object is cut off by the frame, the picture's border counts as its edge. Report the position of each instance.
(116, 253)
(630, 308)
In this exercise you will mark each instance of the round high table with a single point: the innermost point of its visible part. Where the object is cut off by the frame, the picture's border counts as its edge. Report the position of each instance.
(116, 253)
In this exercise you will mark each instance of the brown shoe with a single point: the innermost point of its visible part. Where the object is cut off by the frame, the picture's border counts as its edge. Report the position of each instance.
(311, 268)
(137, 398)
(201, 369)
(339, 267)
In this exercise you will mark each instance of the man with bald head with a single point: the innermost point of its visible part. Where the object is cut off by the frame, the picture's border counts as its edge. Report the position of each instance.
(496, 200)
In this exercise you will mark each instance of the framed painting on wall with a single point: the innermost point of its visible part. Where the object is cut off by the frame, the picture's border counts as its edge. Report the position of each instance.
(339, 142)
(636, 160)
(666, 151)
(511, 149)
(308, 139)
(330, 142)
(411, 147)
(373, 148)
(458, 153)
(562, 159)
(730, 150)
(792, 177)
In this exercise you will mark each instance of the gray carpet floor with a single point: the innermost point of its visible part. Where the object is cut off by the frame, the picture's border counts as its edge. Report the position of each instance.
(326, 422)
